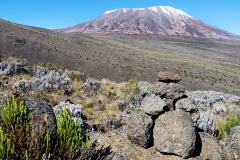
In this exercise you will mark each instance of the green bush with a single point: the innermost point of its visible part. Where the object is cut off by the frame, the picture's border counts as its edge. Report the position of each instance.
(131, 87)
(71, 139)
(231, 121)
(18, 142)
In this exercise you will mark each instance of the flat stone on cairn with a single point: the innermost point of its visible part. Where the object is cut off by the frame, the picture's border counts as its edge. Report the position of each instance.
(168, 77)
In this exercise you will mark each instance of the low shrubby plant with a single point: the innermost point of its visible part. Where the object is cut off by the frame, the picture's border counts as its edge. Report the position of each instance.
(16, 138)
(18, 142)
(71, 139)
(231, 121)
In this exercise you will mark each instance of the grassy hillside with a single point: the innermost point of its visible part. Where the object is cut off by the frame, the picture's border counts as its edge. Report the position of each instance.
(204, 64)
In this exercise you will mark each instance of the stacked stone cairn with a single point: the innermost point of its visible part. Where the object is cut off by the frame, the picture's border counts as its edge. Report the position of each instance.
(170, 121)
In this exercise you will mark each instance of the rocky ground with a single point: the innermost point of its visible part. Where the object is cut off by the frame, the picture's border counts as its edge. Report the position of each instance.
(139, 120)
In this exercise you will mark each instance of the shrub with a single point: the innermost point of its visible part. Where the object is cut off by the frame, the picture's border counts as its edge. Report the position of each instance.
(131, 87)
(71, 139)
(231, 121)
(18, 142)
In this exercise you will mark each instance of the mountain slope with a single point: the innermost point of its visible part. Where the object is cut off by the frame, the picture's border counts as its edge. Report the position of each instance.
(203, 63)
(161, 20)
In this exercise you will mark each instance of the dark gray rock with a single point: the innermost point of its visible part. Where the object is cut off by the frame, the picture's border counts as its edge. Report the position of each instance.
(140, 130)
(174, 133)
(234, 141)
(76, 111)
(10, 68)
(153, 105)
(170, 103)
(91, 87)
(169, 90)
(207, 148)
(186, 105)
(42, 116)
(168, 77)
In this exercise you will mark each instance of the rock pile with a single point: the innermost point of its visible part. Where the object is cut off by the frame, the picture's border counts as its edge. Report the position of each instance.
(170, 120)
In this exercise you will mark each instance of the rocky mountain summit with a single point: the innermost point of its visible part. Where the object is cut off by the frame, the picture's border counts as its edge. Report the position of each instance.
(163, 20)
(139, 120)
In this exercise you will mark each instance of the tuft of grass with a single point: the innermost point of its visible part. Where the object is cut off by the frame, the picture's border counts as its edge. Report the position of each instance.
(231, 121)
(131, 87)
(49, 65)
(77, 76)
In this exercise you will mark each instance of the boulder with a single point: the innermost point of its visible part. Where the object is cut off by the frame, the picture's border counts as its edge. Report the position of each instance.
(168, 77)
(207, 147)
(169, 90)
(42, 116)
(174, 133)
(75, 109)
(140, 130)
(186, 105)
(10, 68)
(234, 141)
(153, 105)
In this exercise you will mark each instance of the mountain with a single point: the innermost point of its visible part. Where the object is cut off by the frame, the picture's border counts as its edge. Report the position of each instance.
(163, 20)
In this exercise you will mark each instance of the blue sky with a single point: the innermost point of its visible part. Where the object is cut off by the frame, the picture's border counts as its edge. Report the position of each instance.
(53, 14)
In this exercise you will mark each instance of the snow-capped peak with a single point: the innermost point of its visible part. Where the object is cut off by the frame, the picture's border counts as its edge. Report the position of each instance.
(107, 12)
(164, 9)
